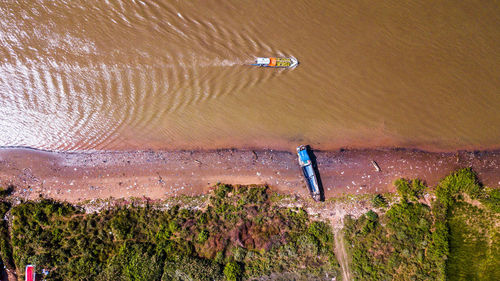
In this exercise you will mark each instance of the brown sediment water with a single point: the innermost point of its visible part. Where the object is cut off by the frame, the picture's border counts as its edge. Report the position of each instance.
(116, 75)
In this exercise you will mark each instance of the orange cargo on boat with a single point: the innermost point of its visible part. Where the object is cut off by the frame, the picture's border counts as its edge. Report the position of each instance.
(273, 62)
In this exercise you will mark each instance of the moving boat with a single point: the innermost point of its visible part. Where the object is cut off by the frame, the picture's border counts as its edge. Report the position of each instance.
(308, 171)
(277, 62)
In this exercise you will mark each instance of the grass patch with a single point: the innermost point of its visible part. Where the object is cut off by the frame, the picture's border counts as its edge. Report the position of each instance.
(455, 238)
(474, 243)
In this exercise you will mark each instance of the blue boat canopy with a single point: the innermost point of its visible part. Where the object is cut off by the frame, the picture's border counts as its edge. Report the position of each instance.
(304, 156)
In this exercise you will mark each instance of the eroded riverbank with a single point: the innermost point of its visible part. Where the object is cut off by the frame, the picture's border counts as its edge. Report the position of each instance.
(79, 176)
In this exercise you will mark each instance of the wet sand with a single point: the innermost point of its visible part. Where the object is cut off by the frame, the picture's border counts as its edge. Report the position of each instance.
(80, 176)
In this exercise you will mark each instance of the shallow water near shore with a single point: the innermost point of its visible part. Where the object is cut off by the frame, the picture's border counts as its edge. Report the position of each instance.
(112, 75)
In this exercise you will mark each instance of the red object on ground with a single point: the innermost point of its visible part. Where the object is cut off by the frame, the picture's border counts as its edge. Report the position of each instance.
(30, 273)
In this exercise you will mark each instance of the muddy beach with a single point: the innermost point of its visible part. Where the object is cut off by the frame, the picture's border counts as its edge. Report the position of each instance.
(80, 176)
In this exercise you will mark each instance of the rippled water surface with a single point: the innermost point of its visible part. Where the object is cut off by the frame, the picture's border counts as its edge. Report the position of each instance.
(175, 74)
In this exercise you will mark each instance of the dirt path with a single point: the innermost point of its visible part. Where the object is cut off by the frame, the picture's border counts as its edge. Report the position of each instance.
(341, 254)
(335, 211)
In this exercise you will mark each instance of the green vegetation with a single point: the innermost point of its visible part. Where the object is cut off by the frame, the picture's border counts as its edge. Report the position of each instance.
(379, 201)
(393, 246)
(410, 190)
(233, 271)
(242, 233)
(239, 234)
(474, 243)
(456, 238)
(5, 247)
(474, 239)
(452, 188)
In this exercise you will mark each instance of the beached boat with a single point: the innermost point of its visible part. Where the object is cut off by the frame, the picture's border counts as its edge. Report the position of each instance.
(276, 62)
(308, 171)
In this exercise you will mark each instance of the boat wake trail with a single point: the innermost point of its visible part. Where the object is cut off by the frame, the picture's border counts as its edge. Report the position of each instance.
(106, 70)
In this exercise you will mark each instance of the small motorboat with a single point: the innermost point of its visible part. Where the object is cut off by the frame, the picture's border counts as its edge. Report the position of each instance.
(276, 62)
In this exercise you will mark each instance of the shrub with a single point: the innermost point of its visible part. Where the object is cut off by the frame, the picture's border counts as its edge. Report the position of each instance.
(202, 236)
(410, 190)
(203, 218)
(464, 180)
(308, 245)
(321, 231)
(222, 190)
(378, 201)
(371, 222)
(123, 224)
(233, 271)
(371, 216)
(239, 254)
(4, 192)
(403, 188)
(256, 195)
(417, 188)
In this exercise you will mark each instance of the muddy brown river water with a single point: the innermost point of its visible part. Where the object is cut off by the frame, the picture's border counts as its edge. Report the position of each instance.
(112, 75)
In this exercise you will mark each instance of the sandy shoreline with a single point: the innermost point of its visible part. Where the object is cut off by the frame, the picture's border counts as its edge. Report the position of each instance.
(79, 176)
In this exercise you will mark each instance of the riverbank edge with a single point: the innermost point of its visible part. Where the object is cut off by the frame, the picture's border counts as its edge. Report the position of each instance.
(77, 176)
